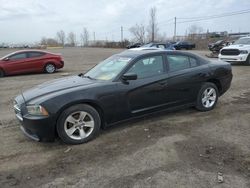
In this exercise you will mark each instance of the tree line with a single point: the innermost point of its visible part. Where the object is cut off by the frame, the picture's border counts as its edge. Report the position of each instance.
(139, 33)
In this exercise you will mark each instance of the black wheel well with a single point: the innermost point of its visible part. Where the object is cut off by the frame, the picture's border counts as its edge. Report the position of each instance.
(1, 69)
(99, 110)
(217, 83)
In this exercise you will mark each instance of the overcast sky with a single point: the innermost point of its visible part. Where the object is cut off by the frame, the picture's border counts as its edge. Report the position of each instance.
(29, 20)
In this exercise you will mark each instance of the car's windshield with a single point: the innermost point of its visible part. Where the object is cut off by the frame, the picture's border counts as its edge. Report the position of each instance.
(243, 41)
(109, 68)
(8, 55)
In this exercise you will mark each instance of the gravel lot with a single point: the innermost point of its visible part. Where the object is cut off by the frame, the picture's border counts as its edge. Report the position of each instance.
(185, 148)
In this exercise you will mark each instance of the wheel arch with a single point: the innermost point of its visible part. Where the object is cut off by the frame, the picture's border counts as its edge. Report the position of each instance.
(217, 83)
(91, 103)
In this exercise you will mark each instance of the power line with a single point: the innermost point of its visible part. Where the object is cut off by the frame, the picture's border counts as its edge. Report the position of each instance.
(197, 17)
(214, 16)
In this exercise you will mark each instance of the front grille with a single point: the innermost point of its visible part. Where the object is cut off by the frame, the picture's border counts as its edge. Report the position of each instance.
(230, 52)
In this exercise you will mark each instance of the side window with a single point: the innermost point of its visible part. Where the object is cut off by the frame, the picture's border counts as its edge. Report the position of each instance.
(193, 62)
(161, 46)
(148, 67)
(180, 62)
(35, 54)
(18, 56)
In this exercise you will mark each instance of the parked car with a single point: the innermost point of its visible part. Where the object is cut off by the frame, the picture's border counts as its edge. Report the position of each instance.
(239, 51)
(30, 61)
(125, 86)
(135, 45)
(217, 46)
(184, 45)
(166, 46)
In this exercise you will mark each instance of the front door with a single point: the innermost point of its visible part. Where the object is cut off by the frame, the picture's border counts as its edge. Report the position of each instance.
(146, 92)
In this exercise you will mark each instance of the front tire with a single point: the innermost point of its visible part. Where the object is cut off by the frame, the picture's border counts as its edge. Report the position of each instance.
(78, 124)
(207, 97)
(50, 68)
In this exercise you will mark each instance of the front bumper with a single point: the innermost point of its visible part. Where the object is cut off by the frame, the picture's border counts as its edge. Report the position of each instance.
(233, 58)
(39, 128)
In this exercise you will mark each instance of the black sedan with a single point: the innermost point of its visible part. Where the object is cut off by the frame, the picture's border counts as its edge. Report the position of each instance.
(122, 87)
(184, 45)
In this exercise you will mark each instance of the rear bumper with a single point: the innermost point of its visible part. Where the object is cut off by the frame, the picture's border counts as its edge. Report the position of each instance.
(226, 83)
(60, 65)
(233, 58)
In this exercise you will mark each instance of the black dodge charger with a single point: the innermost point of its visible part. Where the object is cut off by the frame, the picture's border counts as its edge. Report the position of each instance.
(122, 87)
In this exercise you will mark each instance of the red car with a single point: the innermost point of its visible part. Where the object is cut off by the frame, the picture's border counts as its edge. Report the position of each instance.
(29, 61)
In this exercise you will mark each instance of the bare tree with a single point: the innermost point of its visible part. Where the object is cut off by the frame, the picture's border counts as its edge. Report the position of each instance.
(61, 37)
(152, 27)
(43, 41)
(85, 37)
(52, 42)
(71, 39)
(138, 32)
(49, 41)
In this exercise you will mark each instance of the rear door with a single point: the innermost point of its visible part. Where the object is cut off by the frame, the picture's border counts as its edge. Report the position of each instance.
(185, 77)
(36, 61)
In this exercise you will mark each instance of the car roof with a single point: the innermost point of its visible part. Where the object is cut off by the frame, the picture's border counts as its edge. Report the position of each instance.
(20, 51)
(137, 53)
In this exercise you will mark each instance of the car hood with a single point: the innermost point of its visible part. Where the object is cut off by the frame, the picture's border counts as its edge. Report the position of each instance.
(238, 46)
(56, 86)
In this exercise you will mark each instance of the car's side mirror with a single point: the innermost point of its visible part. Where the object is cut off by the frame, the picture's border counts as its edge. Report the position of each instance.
(129, 76)
(6, 59)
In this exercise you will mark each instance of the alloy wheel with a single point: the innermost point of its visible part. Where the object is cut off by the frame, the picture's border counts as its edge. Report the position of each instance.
(50, 68)
(79, 125)
(208, 97)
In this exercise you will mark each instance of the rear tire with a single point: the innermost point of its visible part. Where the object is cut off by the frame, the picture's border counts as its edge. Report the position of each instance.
(1, 73)
(207, 97)
(50, 68)
(78, 124)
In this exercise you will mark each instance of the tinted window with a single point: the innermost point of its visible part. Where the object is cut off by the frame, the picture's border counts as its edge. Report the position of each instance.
(161, 46)
(35, 54)
(180, 62)
(148, 67)
(193, 62)
(18, 56)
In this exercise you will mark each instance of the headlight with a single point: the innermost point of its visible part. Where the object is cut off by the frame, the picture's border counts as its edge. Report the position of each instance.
(37, 110)
(243, 51)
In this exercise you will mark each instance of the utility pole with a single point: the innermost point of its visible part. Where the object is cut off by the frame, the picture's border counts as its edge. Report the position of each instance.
(174, 28)
(94, 36)
(121, 33)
